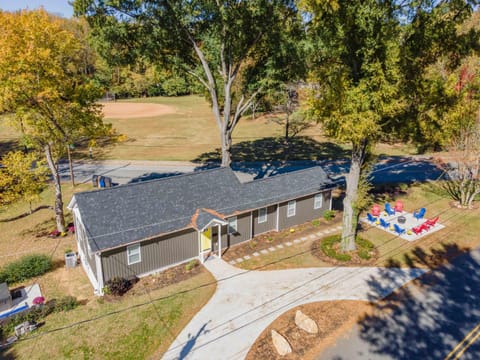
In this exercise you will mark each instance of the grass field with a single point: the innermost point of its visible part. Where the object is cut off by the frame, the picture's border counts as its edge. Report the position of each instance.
(190, 132)
(140, 326)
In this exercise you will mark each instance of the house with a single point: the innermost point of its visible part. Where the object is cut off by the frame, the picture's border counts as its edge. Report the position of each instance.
(142, 228)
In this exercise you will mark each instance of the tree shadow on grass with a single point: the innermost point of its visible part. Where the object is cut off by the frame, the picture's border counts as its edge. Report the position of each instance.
(275, 149)
(428, 318)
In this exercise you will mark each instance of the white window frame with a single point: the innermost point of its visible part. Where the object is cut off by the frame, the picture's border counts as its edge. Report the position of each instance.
(318, 202)
(133, 250)
(232, 225)
(262, 215)
(291, 208)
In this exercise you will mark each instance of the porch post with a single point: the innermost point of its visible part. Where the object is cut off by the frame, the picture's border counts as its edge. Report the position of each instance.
(200, 252)
(219, 241)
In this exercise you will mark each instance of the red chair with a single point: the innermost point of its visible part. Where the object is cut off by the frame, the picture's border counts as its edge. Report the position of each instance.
(376, 210)
(398, 206)
(431, 222)
(417, 230)
(424, 226)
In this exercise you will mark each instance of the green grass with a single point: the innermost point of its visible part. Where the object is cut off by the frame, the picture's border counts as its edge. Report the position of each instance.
(134, 333)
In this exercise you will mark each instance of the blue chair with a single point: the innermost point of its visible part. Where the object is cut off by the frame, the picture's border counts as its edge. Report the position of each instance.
(419, 214)
(398, 229)
(384, 224)
(371, 218)
(389, 210)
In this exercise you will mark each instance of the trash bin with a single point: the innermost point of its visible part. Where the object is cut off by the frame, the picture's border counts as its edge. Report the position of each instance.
(95, 180)
(101, 182)
(108, 181)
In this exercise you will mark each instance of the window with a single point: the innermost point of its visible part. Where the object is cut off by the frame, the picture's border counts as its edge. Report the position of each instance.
(292, 205)
(318, 201)
(133, 254)
(262, 215)
(232, 225)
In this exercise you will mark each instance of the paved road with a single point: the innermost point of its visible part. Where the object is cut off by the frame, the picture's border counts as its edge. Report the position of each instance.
(391, 169)
(245, 302)
(422, 322)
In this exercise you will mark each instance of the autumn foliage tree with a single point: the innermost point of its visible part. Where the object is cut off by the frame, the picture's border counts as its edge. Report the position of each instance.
(43, 82)
(22, 177)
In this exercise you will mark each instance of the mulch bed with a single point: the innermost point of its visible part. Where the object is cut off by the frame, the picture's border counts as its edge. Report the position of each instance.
(165, 278)
(273, 238)
(355, 261)
(332, 318)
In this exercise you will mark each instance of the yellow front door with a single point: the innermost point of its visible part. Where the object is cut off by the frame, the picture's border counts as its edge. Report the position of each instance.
(206, 239)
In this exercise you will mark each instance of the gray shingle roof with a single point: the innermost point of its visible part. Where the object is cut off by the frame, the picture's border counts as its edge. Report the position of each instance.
(128, 213)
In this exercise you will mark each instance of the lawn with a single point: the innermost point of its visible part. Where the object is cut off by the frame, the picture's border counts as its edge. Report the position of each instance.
(461, 228)
(138, 326)
(190, 133)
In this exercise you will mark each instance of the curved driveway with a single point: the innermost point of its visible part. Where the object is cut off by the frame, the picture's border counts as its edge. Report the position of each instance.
(246, 302)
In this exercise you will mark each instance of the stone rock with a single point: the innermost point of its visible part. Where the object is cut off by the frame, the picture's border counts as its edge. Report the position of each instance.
(281, 344)
(305, 323)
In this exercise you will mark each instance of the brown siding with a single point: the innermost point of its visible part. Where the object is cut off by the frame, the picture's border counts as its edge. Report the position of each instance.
(155, 254)
(304, 211)
(270, 224)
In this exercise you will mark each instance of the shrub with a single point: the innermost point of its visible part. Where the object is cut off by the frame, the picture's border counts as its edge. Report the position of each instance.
(191, 264)
(27, 267)
(329, 215)
(363, 248)
(118, 286)
(327, 248)
(316, 222)
(65, 303)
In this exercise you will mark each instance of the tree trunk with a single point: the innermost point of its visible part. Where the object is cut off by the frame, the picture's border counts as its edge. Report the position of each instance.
(59, 218)
(287, 128)
(350, 213)
(226, 147)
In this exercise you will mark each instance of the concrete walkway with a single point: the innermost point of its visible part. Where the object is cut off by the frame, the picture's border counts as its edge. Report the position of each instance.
(246, 302)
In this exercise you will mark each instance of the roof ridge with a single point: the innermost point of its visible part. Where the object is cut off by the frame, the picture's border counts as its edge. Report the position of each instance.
(191, 173)
(286, 173)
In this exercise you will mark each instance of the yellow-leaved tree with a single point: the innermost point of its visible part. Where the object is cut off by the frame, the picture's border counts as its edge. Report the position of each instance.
(44, 84)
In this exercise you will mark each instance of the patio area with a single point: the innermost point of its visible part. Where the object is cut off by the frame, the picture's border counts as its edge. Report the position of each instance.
(403, 224)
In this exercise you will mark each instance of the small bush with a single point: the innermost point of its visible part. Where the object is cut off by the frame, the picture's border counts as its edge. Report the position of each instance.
(191, 264)
(118, 286)
(363, 248)
(327, 248)
(329, 215)
(65, 303)
(316, 222)
(27, 267)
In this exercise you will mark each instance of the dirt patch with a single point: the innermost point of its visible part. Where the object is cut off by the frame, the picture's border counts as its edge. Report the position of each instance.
(355, 260)
(332, 317)
(273, 238)
(121, 110)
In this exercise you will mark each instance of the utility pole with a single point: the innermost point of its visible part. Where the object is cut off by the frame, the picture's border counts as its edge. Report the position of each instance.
(70, 165)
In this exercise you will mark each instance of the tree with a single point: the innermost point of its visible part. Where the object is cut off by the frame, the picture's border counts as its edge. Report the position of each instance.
(22, 177)
(287, 108)
(368, 61)
(231, 47)
(43, 82)
(355, 84)
(462, 124)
